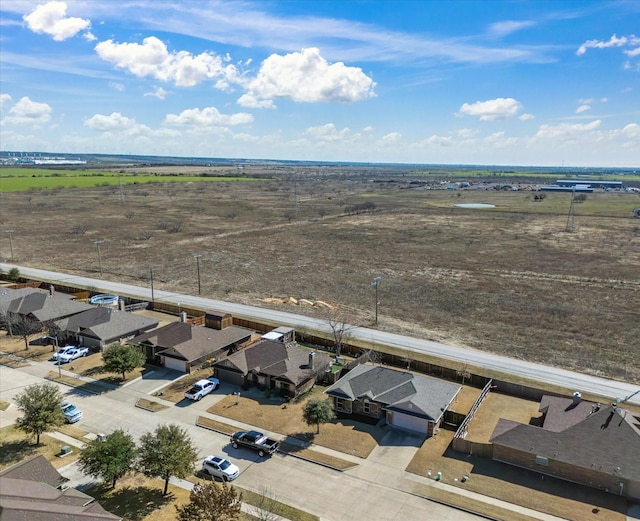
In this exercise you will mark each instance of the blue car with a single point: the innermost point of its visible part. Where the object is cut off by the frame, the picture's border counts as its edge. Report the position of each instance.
(71, 413)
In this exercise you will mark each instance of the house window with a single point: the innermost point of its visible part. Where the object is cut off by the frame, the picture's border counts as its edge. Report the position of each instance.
(366, 407)
(541, 460)
(340, 404)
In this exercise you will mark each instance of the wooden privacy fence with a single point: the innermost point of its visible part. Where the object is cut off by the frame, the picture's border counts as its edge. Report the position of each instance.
(461, 433)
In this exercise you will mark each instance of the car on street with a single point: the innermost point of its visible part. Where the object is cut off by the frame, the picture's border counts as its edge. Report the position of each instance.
(61, 351)
(71, 413)
(220, 468)
(72, 354)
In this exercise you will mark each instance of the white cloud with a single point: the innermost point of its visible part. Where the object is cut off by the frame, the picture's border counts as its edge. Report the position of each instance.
(4, 98)
(391, 138)
(566, 130)
(307, 77)
(51, 19)
(442, 141)
(26, 111)
(509, 26)
(328, 132)
(491, 110)
(466, 133)
(583, 108)
(631, 131)
(368, 128)
(251, 102)
(526, 117)
(117, 86)
(207, 117)
(152, 58)
(614, 41)
(158, 92)
(116, 121)
(500, 140)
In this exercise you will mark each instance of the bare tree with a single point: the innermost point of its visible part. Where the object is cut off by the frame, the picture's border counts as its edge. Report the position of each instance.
(464, 372)
(266, 506)
(22, 326)
(340, 330)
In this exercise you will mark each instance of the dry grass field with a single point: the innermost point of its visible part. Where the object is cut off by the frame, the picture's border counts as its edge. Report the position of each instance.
(509, 280)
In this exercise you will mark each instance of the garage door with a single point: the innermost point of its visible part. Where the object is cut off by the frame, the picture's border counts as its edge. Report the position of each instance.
(412, 423)
(172, 363)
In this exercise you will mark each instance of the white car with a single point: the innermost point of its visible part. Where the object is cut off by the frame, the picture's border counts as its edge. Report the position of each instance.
(61, 351)
(71, 413)
(202, 388)
(220, 468)
(72, 354)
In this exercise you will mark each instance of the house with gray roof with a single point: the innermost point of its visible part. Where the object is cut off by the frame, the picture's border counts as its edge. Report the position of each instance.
(34, 490)
(45, 307)
(580, 441)
(183, 347)
(283, 367)
(7, 295)
(100, 326)
(399, 398)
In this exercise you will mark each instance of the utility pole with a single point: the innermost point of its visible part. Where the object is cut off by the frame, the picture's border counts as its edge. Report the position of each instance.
(375, 284)
(152, 299)
(11, 232)
(197, 256)
(98, 243)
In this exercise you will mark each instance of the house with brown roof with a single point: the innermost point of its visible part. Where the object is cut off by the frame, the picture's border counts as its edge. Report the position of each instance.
(184, 347)
(399, 398)
(34, 490)
(280, 366)
(101, 326)
(584, 442)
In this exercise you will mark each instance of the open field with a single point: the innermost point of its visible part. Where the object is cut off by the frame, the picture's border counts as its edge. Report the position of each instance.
(509, 280)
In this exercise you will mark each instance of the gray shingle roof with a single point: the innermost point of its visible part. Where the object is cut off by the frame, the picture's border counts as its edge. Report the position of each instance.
(603, 440)
(46, 307)
(396, 390)
(106, 324)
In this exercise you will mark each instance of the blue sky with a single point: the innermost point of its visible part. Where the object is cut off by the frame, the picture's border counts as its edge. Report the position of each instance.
(454, 82)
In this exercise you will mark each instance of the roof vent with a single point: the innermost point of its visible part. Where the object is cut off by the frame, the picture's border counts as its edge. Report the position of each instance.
(577, 397)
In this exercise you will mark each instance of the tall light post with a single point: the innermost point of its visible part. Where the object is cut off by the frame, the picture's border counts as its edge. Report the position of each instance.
(197, 256)
(152, 297)
(98, 243)
(11, 232)
(375, 283)
(55, 342)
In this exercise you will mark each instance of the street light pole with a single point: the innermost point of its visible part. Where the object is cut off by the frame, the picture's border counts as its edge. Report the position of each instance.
(98, 243)
(152, 299)
(55, 342)
(197, 256)
(375, 284)
(10, 232)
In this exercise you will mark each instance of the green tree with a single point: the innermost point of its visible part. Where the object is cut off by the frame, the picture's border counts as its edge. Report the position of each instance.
(109, 459)
(211, 502)
(166, 452)
(14, 274)
(41, 405)
(318, 411)
(122, 359)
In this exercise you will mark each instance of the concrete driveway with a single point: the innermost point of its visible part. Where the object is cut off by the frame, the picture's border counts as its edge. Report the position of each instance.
(154, 380)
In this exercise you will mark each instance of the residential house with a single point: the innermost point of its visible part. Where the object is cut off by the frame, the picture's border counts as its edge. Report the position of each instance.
(101, 326)
(34, 490)
(184, 347)
(46, 307)
(584, 442)
(399, 398)
(280, 366)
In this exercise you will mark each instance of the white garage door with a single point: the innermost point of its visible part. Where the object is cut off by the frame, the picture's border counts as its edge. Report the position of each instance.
(412, 423)
(172, 363)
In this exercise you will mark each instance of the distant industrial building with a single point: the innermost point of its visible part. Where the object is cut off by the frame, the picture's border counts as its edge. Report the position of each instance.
(583, 189)
(593, 183)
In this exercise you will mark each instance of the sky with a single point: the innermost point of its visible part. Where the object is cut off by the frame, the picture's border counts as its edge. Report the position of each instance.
(479, 82)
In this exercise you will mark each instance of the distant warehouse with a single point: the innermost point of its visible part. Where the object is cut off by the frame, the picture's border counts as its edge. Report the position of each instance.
(593, 183)
(582, 188)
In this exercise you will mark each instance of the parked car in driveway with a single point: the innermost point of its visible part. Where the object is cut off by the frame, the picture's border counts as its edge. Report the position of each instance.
(202, 388)
(71, 413)
(72, 354)
(220, 468)
(61, 351)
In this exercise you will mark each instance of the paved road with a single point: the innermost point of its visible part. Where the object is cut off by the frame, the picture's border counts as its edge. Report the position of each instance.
(332, 495)
(536, 372)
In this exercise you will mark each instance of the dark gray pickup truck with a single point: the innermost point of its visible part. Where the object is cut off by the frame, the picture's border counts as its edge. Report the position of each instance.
(254, 440)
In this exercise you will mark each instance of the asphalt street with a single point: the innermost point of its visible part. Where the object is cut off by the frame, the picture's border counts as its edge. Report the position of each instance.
(535, 372)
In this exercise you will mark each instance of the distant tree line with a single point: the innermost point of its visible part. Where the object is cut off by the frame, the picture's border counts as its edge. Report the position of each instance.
(366, 207)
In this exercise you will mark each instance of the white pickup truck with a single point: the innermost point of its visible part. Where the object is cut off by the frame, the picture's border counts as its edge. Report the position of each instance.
(202, 388)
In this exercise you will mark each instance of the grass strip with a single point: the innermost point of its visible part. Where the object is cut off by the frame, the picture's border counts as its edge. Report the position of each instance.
(4, 405)
(287, 511)
(149, 405)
